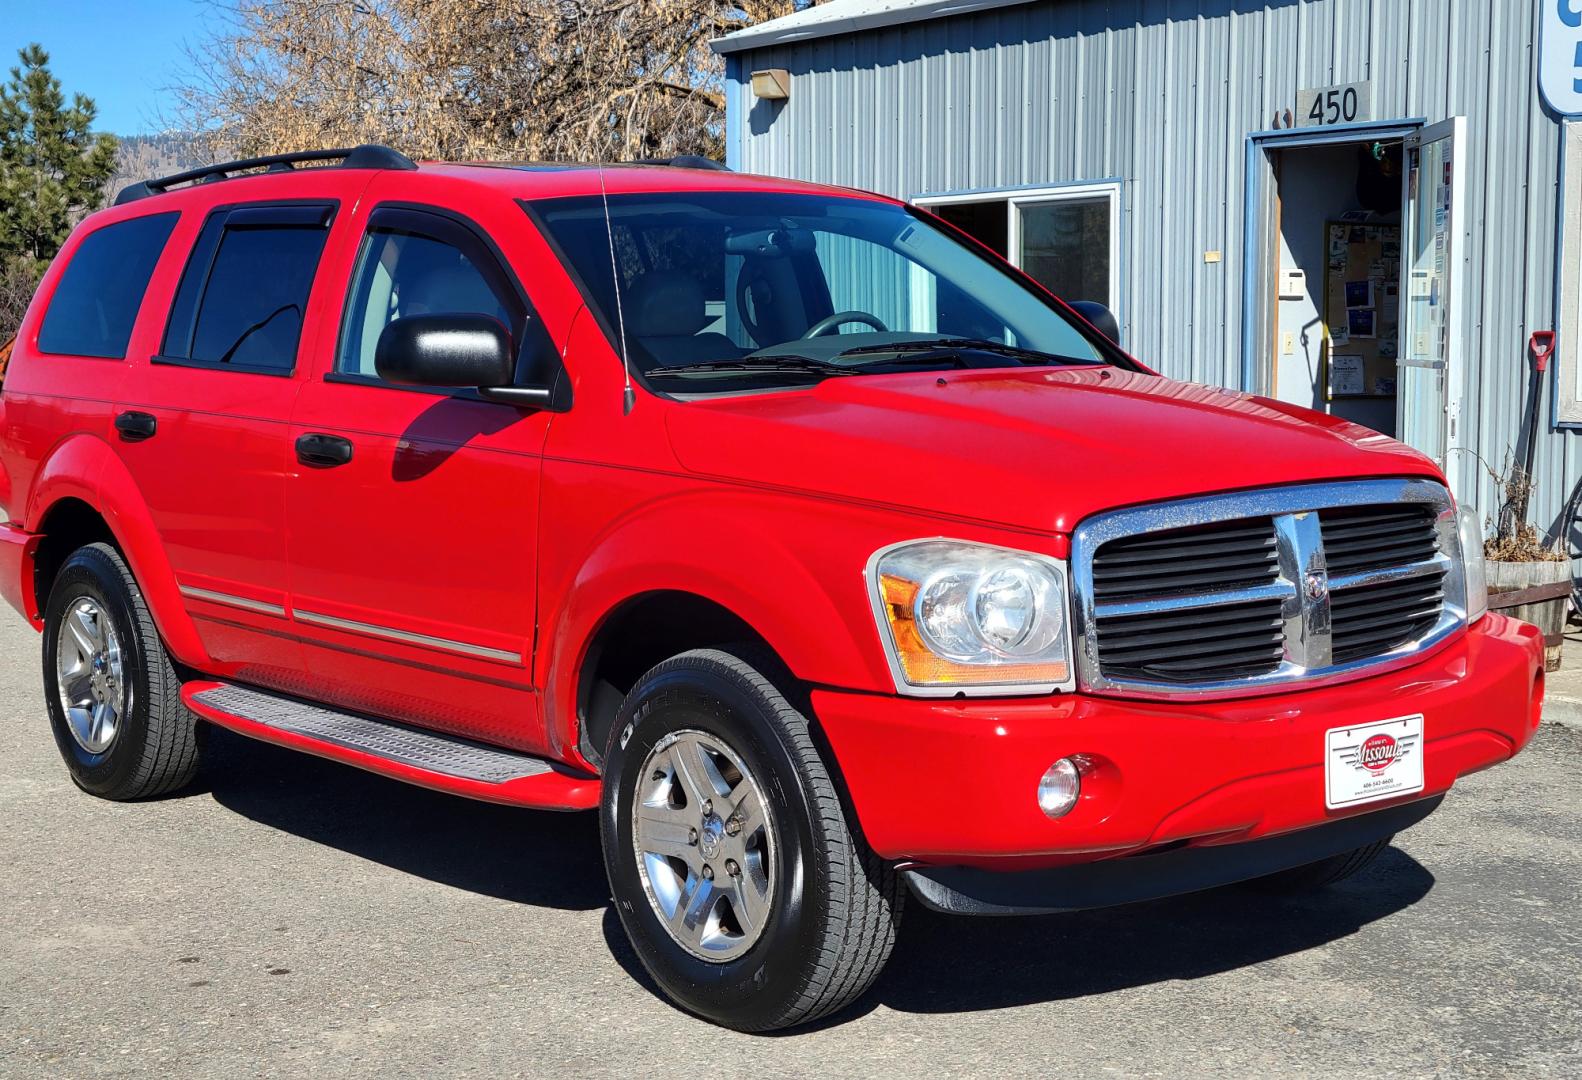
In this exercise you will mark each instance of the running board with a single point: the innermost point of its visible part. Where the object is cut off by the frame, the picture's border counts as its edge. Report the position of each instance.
(425, 758)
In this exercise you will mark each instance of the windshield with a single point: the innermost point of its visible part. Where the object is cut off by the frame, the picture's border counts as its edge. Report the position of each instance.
(722, 291)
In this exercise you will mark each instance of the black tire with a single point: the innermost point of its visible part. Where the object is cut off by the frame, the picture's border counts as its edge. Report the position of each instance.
(834, 905)
(1322, 874)
(154, 750)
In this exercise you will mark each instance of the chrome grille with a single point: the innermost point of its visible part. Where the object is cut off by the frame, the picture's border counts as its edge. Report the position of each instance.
(1231, 594)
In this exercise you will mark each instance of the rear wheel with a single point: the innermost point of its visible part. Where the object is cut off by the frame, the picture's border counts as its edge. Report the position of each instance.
(745, 891)
(114, 699)
(1324, 873)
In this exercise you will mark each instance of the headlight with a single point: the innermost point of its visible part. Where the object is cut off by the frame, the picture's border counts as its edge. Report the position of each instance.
(956, 616)
(1471, 529)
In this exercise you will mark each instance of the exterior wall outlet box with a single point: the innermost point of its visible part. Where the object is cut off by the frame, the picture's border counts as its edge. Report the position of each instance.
(1293, 284)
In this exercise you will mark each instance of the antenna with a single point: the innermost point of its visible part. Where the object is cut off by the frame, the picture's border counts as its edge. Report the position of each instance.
(629, 397)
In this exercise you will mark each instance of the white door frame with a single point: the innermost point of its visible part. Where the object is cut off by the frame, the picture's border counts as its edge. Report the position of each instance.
(1454, 129)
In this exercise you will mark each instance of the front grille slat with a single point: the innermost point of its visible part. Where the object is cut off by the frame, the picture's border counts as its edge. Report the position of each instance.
(1152, 636)
(1138, 649)
(1370, 620)
(1377, 537)
(1218, 642)
(1206, 634)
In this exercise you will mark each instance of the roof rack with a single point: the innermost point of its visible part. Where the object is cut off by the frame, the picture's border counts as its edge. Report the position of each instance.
(684, 161)
(367, 156)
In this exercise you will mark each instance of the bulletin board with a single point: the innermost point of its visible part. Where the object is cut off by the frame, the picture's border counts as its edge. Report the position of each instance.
(1362, 308)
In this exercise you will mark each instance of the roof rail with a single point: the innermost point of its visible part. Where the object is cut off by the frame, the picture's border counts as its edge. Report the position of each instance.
(367, 156)
(684, 161)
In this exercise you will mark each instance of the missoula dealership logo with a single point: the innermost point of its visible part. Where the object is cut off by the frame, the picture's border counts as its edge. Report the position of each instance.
(1378, 753)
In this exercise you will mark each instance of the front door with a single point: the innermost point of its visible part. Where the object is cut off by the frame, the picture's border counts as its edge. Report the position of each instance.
(412, 514)
(1429, 365)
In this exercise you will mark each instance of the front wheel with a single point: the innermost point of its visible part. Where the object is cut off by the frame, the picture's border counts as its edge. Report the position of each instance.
(746, 893)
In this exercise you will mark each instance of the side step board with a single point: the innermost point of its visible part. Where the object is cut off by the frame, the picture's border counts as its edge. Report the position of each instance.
(425, 758)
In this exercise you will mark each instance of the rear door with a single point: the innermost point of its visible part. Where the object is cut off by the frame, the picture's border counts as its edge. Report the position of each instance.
(412, 514)
(204, 426)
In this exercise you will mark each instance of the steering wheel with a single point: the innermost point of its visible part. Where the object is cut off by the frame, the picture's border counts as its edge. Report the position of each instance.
(840, 318)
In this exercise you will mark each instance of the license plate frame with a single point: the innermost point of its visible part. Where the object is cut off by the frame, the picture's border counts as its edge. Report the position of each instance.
(1371, 762)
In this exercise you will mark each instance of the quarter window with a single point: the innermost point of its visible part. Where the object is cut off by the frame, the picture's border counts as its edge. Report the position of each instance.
(417, 263)
(245, 292)
(101, 290)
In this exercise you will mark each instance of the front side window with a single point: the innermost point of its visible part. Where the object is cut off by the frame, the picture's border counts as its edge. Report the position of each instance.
(96, 302)
(416, 263)
(721, 291)
(245, 292)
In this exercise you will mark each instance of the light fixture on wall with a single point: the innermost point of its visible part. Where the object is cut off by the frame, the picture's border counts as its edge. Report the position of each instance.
(773, 84)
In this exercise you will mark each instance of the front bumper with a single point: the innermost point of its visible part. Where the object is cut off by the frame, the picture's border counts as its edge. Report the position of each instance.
(954, 783)
(966, 890)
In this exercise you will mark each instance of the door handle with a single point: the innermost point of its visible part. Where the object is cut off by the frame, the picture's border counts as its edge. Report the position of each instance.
(136, 426)
(323, 451)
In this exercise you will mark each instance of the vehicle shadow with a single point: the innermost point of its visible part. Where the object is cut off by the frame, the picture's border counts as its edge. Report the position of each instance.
(524, 856)
(955, 964)
(941, 964)
(952, 964)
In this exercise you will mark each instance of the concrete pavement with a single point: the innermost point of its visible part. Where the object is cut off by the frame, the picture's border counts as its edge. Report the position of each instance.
(291, 917)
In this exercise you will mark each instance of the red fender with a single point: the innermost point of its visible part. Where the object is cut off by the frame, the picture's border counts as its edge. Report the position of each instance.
(84, 467)
(675, 545)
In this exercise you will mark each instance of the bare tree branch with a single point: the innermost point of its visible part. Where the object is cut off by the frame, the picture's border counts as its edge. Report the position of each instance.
(526, 79)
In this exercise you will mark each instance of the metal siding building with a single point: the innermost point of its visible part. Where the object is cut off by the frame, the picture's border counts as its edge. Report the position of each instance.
(1164, 97)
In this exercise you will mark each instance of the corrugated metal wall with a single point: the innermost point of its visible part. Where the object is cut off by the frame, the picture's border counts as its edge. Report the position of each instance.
(1163, 94)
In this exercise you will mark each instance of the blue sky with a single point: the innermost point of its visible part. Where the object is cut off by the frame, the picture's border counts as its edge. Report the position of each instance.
(122, 53)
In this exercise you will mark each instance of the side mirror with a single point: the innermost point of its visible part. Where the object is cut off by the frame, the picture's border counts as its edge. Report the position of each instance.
(1102, 318)
(446, 350)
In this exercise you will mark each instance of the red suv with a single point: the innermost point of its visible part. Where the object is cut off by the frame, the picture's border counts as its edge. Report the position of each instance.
(821, 551)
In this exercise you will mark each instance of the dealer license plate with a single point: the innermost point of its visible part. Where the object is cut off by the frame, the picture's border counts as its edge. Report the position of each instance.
(1370, 762)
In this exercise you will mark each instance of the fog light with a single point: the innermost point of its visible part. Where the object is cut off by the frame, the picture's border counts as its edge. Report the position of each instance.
(1058, 790)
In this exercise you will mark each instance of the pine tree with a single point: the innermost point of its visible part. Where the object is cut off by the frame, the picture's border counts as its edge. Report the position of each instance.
(53, 168)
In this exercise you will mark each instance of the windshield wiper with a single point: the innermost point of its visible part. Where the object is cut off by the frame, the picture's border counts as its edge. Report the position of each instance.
(801, 365)
(957, 345)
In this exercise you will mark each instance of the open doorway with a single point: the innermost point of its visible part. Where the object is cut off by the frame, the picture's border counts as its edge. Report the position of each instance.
(1336, 305)
(1352, 294)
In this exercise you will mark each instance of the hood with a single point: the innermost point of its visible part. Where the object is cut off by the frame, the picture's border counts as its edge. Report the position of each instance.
(1036, 449)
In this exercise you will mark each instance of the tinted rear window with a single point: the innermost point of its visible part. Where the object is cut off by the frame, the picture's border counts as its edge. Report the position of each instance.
(96, 302)
(242, 300)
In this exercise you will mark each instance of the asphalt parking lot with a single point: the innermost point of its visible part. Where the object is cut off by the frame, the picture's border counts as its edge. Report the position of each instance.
(293, 917)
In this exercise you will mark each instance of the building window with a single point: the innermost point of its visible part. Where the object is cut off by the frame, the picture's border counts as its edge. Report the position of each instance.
(1066, 238)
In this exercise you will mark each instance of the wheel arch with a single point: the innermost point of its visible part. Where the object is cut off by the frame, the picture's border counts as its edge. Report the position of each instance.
(635, 636)
(85, 494)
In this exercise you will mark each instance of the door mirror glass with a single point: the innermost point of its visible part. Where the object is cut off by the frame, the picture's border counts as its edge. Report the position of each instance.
(464, 350)
(1102, 318)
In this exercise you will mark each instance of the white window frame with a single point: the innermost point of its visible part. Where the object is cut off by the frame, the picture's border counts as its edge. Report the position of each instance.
(1016, 198)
